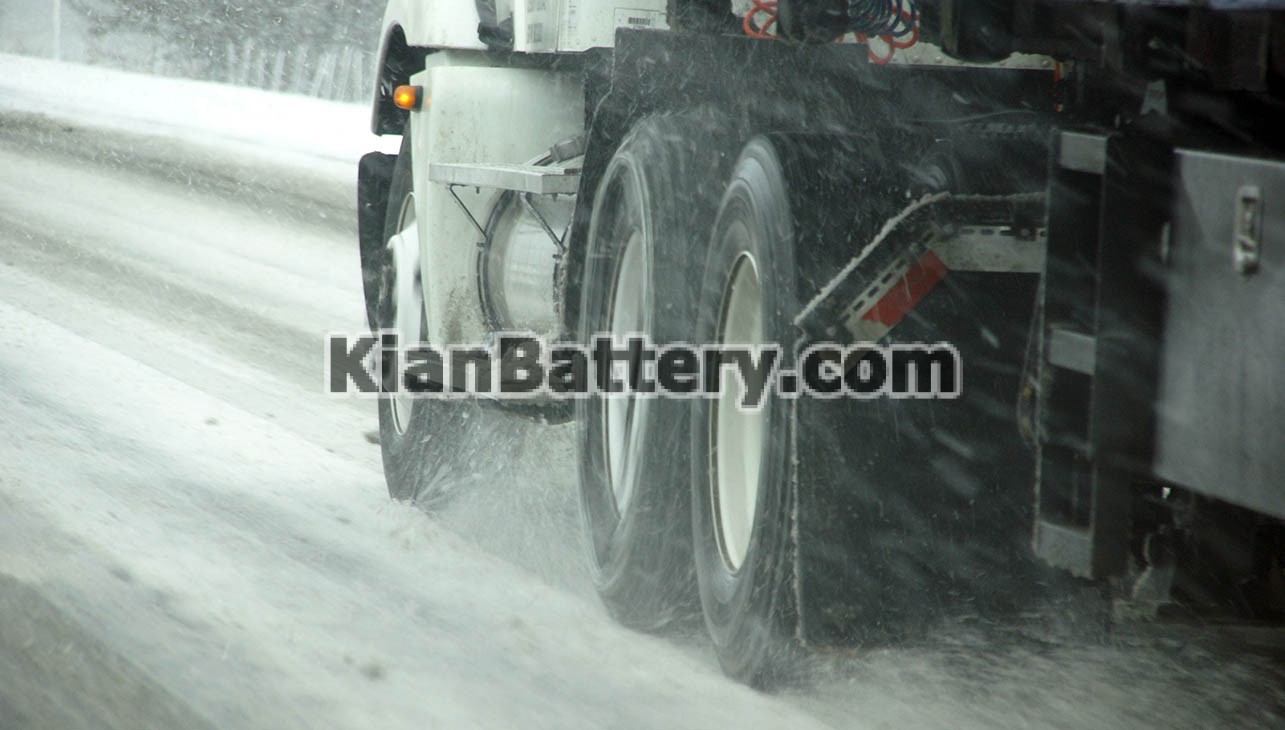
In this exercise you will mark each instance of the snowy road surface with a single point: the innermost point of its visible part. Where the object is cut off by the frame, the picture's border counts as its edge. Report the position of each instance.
(192, 535)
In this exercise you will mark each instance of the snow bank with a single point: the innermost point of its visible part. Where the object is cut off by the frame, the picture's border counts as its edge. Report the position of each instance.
(276, 127)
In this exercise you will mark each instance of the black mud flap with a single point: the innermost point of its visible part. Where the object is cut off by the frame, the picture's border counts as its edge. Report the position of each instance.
(909, 509)
(374, 176)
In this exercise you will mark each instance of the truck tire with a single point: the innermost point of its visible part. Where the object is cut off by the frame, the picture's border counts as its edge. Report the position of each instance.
(832, 522)
(432, 448)
(650, 220)
(741, 500)
(402, 420)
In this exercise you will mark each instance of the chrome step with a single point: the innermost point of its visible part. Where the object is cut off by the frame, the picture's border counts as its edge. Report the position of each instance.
(534, 179)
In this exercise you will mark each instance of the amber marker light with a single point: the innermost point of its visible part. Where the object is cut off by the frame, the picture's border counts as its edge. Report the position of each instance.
(407, 97)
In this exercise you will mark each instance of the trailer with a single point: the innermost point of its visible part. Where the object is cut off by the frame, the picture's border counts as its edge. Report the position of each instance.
(1085, 200)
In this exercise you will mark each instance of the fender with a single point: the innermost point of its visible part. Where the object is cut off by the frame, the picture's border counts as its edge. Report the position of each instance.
(410, 30)
(481, 111)
(434, 23)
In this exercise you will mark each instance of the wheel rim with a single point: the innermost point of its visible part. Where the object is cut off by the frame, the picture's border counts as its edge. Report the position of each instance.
(624, 417)
(408, 299)
(737, 436)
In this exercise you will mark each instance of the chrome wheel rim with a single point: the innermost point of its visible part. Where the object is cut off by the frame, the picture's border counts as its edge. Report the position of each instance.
(737, 436)
(624, 417)
(408, 300)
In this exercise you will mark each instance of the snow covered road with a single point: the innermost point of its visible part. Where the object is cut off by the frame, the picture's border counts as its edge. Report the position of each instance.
(193, 535)
(176, 485)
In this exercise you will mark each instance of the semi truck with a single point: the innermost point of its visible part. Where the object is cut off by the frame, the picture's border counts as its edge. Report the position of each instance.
(1086, 200)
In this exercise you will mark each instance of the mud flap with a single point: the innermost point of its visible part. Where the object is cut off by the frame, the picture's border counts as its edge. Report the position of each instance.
(374, 176)
(912, 509)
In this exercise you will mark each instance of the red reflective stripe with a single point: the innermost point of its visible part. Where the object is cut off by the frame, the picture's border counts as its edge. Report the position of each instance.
(918, 280)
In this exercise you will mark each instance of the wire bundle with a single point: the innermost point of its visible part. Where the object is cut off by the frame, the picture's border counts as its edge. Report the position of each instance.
(756, 28)
(892, 18)
(895, 22)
